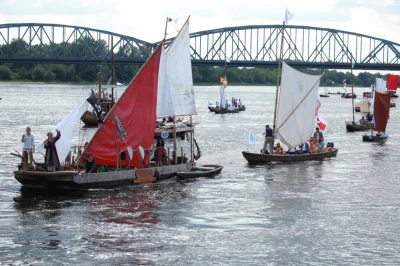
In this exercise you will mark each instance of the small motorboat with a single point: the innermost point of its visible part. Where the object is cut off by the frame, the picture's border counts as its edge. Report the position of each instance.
(391, 104)
(324, 95)
(394, 95)
(208, 170)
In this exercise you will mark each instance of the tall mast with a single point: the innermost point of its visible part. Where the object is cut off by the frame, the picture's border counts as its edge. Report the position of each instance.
(174, 120)
(352, 91)
(278, 77)
(112, 70)
(99, 78)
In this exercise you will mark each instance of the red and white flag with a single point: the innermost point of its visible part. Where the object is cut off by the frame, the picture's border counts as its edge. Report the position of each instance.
(317, 106)
(344, 81)
(321, 123)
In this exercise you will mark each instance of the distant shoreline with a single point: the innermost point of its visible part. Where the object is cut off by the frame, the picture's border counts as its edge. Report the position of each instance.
(91, 83)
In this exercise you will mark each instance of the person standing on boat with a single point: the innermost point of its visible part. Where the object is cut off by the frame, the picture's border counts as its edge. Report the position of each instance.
(51, 157)
(269, 139)
(318, 135)
(239, 103)
(29, 145)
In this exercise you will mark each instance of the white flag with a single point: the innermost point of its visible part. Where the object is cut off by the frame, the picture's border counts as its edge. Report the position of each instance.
(251, 139)
(288, 16)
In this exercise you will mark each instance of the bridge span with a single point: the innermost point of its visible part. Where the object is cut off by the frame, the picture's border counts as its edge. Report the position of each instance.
(245, 46)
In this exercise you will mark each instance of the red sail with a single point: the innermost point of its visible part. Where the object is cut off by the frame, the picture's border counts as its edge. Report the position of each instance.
(381, 111)
(131, 121)
(391, 82)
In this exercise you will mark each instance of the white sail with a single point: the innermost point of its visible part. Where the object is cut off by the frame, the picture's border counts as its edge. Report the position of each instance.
(222, 93)
(380, 85)
(165, 106)
(66, 128)
(179, 70)
(296, 106)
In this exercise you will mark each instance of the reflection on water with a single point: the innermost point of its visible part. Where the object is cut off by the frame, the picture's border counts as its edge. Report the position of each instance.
(341, 211)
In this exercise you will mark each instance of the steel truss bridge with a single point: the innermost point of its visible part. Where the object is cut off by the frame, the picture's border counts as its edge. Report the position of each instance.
(246, 46)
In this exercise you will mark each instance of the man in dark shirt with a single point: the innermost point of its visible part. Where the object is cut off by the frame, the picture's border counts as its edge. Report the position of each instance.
(90, 164)
(269, 139)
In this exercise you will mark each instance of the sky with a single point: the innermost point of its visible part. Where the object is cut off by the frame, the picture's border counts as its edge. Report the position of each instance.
(146, 19)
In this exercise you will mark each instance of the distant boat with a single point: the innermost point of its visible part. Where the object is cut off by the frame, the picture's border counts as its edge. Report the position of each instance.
(349, 95)
(381, 109)
(325, 94)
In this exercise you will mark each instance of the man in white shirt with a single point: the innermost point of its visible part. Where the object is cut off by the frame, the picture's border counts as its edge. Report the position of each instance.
(29, 145)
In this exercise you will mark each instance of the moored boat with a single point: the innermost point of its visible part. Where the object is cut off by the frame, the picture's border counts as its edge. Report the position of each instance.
(201, 171)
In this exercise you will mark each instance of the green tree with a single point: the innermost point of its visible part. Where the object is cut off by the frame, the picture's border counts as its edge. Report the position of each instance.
(38, 73)
(5, 72)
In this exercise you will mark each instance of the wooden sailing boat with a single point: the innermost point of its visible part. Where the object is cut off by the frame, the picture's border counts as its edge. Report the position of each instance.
(223, 101)
(294, 114)
(123, 143)
(380, 117)
(352, 126)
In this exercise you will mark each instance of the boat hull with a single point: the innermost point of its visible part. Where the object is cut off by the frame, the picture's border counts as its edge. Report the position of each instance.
(324, 95)
(348, 95)
(369, 138)
(72, 180)
(350, 127)
(226, 111)
(203, 171)
(258, 158)
(89, 119)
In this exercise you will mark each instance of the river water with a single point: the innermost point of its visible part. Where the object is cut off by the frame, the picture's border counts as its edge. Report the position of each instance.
(342, 211)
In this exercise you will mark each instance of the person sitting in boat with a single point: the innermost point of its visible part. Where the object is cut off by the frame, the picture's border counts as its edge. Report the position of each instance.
(318, 135)
(362, 121)
(239, 103)
(278, 149)
(320, 146)
(90, 164)
(305, 148)
(51, 160)
(217, 104)
(291, 151)
(313, 144)
(226, 104)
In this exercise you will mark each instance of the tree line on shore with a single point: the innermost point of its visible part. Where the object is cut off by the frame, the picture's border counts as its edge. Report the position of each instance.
(87, 73)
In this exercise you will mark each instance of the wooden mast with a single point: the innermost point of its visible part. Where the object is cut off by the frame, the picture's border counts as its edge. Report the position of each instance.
(174, 121)
(99, 78)
(112, 70)
(278, 77)
(352, 91)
